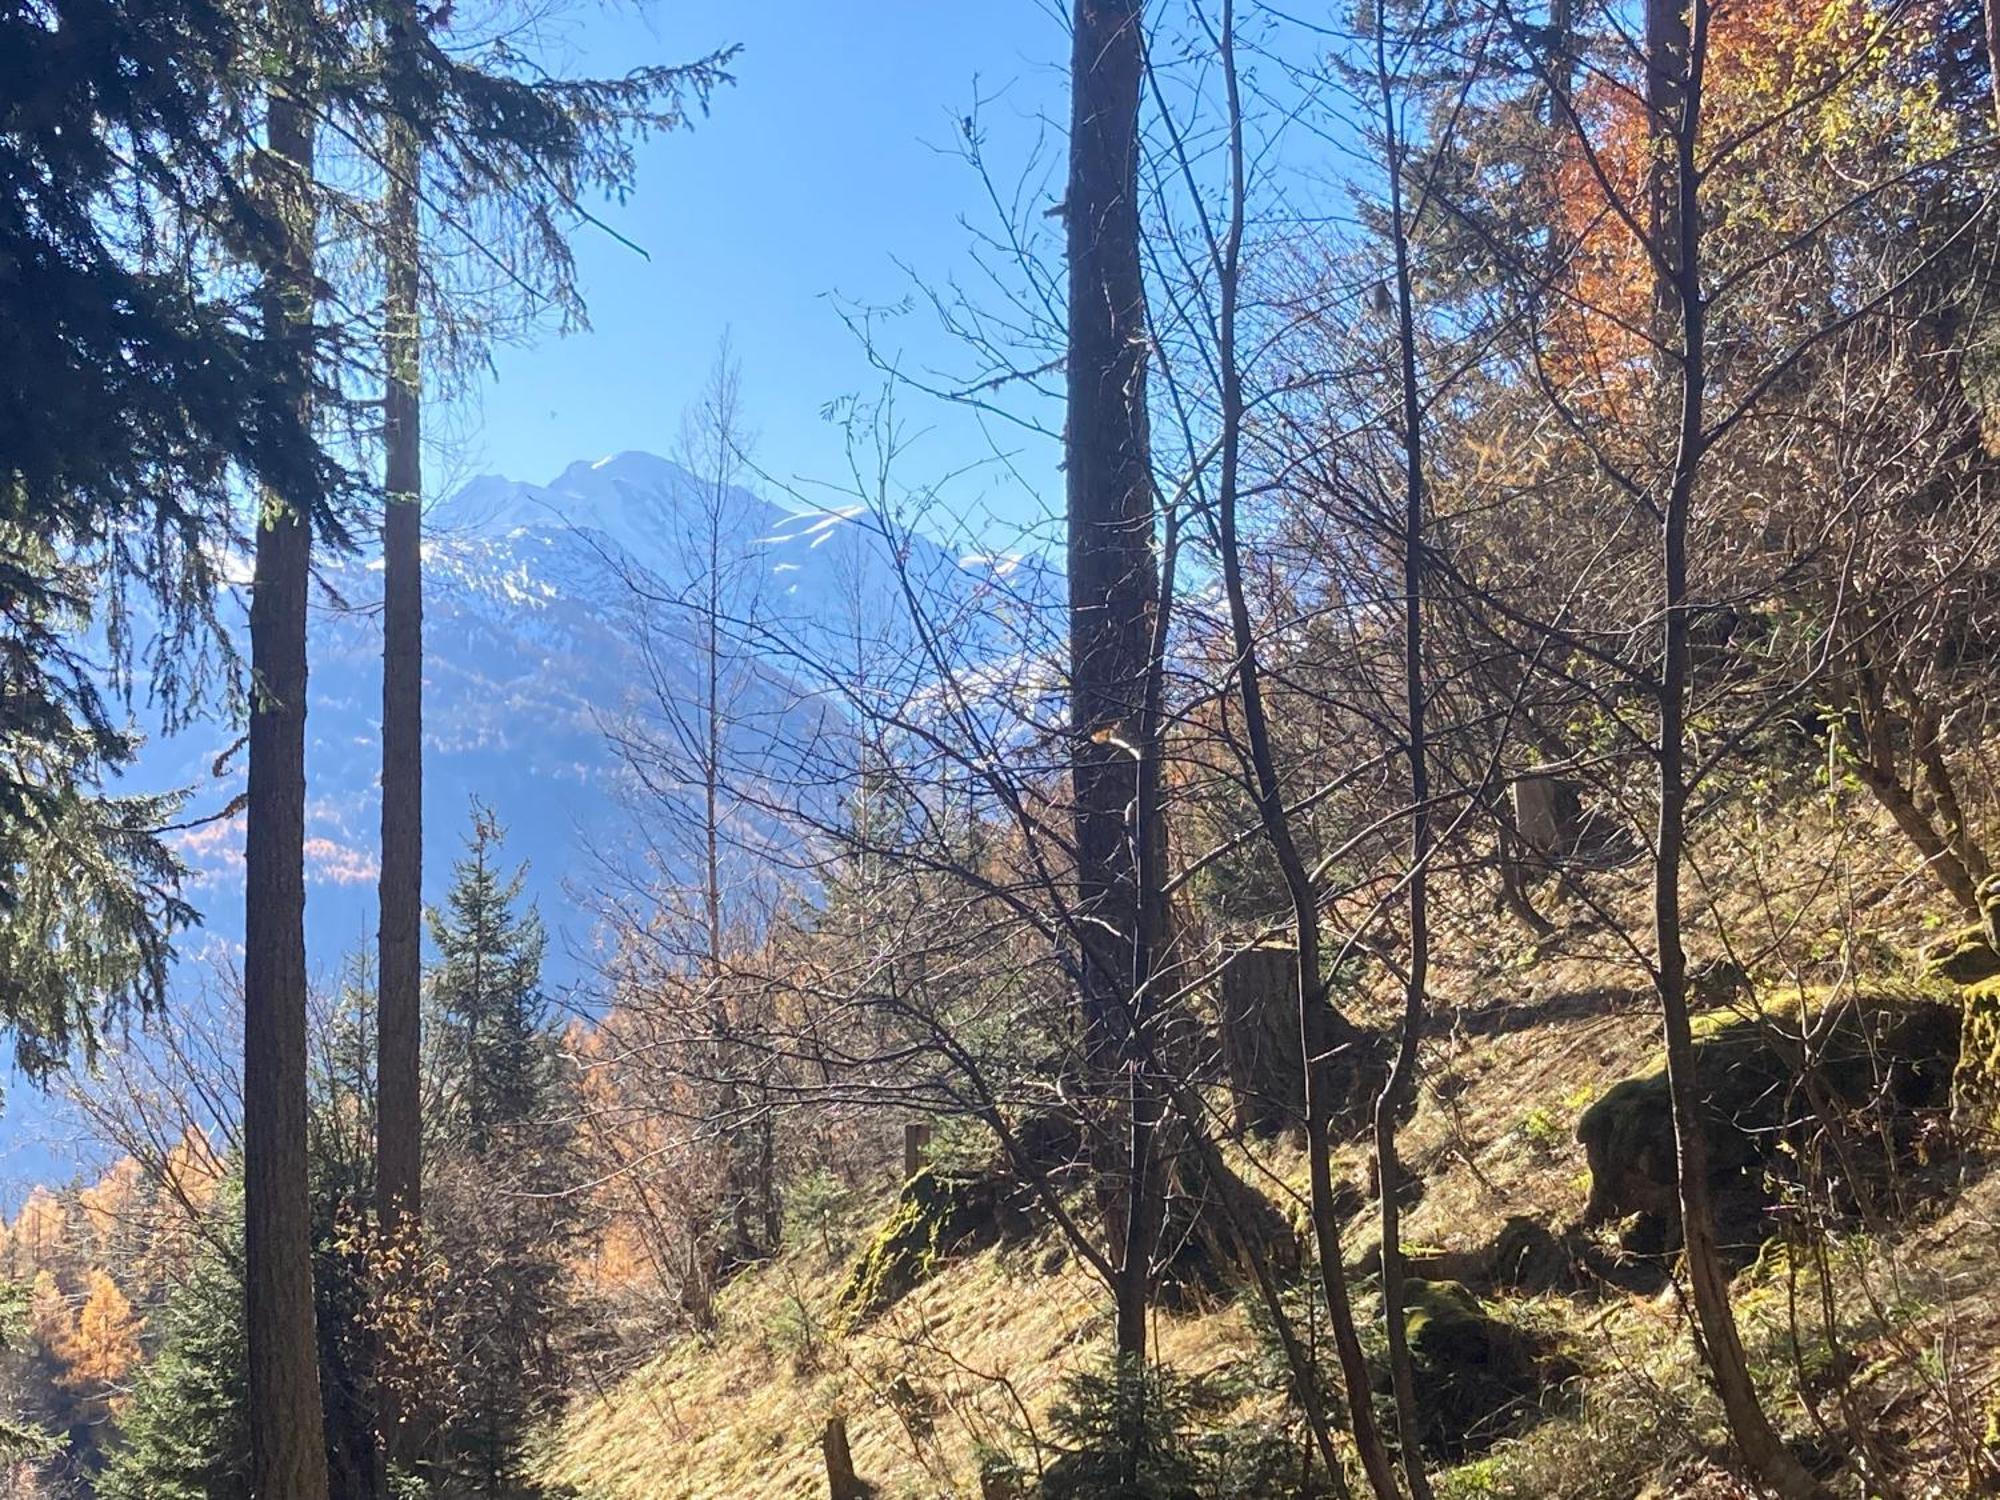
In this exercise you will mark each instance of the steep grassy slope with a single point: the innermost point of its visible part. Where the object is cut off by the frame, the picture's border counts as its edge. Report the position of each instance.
(1522, 1041)
(966, 1362)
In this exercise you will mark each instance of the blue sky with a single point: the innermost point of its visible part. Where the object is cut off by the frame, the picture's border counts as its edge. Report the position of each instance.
(822, 169)
(825, 170)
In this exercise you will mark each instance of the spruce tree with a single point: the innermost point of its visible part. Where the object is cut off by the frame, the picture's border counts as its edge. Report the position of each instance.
(499, 1220)
(495, 1050)
(185, 1428)
(134, 391)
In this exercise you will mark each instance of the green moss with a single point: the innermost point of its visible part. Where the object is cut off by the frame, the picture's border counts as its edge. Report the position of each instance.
(1972, 959)
(1976, 1088)
(1898, 1045)
(1478, 1377)
(1966, 957)
(935, 1217)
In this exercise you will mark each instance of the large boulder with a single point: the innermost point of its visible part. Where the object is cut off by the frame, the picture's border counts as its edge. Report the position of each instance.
(1970, 958)
(1522, 1255)
(1889, 1053)
(1972, 953)
(1966, 957)
(939, 1216)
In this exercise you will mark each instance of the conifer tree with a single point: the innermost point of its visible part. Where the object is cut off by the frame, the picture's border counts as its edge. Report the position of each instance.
(496, 1053)
(134, 391)
(287, 1455)
(106, 1342)
(184, 1431)
(483, 166)
(1114, 588)
(500, 1222)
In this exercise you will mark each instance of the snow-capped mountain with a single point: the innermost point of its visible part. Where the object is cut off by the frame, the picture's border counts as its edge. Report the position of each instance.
(557, 627)
(554, 626)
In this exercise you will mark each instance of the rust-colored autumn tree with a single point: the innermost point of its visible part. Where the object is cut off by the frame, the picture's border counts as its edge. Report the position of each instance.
(104, 1345)
(1803, 102)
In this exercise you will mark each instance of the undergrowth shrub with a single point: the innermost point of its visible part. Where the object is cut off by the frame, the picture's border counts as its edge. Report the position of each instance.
(1192, 1440)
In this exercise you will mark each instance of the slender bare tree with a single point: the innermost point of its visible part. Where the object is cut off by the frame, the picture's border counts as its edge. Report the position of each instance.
(1676, 56)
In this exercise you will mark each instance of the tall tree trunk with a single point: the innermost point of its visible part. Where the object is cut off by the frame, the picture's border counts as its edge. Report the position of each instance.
(1675, 50)
(1114, 600)
(287, 1429)
(399, 1012)
(1562, 58)
(1992, 8)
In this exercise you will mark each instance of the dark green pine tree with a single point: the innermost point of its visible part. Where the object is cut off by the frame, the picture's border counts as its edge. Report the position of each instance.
(134, 393)
(496, 1051)
(185, 1431)
(497, 1217)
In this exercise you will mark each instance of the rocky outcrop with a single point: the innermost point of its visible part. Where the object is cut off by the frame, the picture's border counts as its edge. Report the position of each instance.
(1890, 1055)
(1970, 958)
(939, 1216)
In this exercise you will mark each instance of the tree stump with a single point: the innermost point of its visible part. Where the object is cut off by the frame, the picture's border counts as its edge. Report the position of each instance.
(842, 1482)
(1260, 1038)
(1537, 816)
(916, 1141)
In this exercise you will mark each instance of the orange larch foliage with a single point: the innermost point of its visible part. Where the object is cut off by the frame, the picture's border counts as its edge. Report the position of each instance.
(50, 1321)
(37, 1234)
(1802, 101)
(194, 1171)
(105, 1343)
(109, 1203)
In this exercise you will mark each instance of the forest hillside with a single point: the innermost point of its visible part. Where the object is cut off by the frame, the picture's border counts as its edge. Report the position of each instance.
(1324, 822)
(971, 1382)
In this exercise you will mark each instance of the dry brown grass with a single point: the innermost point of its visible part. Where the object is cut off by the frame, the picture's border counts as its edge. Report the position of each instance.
(1525, 1038)
(983, 1347)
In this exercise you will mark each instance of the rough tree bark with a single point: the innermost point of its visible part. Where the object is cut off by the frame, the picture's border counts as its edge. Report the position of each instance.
(842, 1482)
(1993, 48)
(1114, 600)
(399, 1009)
(287, 1435)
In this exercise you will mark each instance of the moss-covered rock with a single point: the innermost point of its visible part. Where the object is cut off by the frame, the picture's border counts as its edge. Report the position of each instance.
(1890, 1052)
(1527, 1257)
(1478, 1378)
(1522, 1255)
(1976, 1088)
(1971, 959)
(1966, 957)
(938, 1216)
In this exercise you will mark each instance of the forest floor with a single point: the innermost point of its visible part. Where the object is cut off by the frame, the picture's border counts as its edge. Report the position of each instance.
(1523, 1038)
